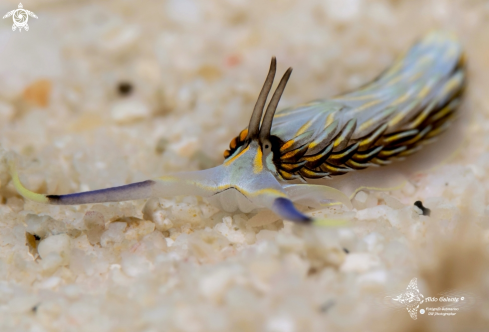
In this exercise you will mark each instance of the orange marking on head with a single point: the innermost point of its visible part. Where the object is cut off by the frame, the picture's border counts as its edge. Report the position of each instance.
(289, 167)
(314, 158)
(286, 175)
(258, 162)
(290, 154)
(287, 145)
(243, 134)
(230, 161)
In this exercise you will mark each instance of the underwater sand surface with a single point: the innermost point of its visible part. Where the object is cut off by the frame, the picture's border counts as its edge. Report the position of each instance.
(104, 93)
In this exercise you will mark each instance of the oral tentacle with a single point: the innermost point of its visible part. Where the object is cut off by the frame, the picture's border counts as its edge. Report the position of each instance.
(254, 126)
(285, 208)
(23, 191)
(129, 192)
(200, 183)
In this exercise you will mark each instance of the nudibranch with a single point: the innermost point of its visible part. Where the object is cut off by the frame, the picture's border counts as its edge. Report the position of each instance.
(395, 115)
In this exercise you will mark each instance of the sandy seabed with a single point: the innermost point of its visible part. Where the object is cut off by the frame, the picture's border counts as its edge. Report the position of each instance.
(103, 93)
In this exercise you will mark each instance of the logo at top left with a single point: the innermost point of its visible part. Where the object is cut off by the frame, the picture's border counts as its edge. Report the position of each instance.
(20, 17)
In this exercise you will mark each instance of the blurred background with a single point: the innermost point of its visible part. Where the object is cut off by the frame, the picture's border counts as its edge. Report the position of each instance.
(181, 76)
(102, 93)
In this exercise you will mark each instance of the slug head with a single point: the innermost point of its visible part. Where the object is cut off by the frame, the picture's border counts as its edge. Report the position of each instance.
(257, 135)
